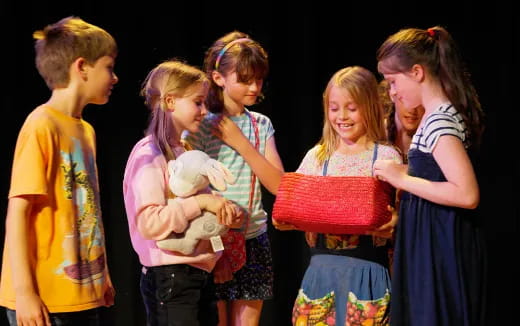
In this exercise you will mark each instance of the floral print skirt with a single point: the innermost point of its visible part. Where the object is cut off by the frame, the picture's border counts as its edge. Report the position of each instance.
(340, 290)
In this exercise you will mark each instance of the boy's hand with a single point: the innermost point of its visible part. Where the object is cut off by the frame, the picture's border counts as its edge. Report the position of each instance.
(30, 310)
(110, 293)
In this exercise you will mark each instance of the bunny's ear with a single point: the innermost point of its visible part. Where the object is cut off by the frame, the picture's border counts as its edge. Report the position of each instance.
(218, 175)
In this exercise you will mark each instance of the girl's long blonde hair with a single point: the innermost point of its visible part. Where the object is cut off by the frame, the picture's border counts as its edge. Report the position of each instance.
(171, 77)
(362, 86)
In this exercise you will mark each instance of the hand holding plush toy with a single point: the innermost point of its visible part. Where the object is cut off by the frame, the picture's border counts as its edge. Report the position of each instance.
(191, 173)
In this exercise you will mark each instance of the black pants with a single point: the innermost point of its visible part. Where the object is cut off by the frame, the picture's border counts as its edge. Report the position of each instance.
(178, 295)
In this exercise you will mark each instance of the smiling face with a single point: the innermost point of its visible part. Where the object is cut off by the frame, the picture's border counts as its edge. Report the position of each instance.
(101, 79)
(344, 115)
(189, 110)
(408, 119)
(404, 89)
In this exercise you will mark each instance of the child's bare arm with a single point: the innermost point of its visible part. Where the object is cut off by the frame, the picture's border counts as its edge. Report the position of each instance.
(32, 310)
(461, 188)
(268, 168)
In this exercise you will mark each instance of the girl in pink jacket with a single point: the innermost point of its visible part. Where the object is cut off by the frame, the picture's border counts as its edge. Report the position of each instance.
(177, 289)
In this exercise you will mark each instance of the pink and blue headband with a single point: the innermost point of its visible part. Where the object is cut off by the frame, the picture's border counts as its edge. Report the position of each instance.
(226, 47)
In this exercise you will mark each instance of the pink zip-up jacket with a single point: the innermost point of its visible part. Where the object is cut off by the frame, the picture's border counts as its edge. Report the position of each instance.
(151, 216)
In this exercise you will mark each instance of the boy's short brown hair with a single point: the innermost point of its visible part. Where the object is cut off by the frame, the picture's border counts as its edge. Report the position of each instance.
(59, 44)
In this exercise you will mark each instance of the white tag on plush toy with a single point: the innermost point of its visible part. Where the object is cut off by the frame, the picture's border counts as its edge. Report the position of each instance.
(216, 243)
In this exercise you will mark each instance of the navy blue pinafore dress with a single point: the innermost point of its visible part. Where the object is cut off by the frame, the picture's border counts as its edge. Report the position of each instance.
(438, 271)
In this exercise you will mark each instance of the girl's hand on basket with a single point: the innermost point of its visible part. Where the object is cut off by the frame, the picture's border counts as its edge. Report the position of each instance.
(311, 238)
(281, 226)
(386, 230)
(390, 171)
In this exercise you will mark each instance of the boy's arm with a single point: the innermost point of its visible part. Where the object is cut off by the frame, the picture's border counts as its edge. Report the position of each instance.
(32, 310)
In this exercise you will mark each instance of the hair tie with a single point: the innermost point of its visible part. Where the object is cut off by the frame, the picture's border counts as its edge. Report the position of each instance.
(39, 35)
(226, 47)
(431, 32)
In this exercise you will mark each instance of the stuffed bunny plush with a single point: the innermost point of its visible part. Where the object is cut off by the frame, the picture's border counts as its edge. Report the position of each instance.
(191, 173)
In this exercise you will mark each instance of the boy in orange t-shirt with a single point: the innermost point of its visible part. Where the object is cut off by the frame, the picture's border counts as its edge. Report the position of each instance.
(54, 255)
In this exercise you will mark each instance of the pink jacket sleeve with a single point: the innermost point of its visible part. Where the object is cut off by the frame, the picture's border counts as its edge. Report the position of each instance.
(156, 222)
(145, 187)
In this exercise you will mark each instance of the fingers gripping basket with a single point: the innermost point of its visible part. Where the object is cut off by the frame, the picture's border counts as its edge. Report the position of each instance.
(326, 204)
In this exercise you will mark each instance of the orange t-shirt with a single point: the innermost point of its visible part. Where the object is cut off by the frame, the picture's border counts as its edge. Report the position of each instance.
(55, 160)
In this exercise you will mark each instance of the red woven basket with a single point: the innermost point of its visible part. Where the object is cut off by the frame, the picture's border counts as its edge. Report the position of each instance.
(338, 205)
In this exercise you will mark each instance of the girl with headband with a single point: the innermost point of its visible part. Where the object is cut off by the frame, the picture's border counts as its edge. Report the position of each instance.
(237, 66)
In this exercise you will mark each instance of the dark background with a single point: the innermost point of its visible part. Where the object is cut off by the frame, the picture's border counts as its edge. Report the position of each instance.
(306, 43)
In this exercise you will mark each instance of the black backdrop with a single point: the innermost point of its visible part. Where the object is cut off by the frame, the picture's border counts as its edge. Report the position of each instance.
(307, 43)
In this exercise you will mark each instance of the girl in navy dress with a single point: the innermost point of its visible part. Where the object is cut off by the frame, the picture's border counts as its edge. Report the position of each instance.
(438, 271)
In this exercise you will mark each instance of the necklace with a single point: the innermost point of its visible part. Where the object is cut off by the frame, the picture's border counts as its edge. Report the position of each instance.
(253, 175)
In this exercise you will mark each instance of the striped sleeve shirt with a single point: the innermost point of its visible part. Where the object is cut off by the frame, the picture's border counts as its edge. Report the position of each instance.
(239, 192)
(446, 120)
